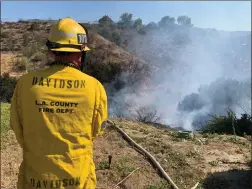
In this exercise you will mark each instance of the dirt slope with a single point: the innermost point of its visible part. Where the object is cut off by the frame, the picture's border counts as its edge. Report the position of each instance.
(16, 36)
(217, 161)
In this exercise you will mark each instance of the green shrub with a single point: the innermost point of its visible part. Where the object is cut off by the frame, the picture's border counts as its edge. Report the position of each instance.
(105, 73)
(5, 34)
(26, 39)
(105, 32)
(103, 165)
(10, 45)
(38, 56)
(34, 27)
(105, 21)
(21, 64)
(116, 38)
(243, 125)
(111, 34)
(5, 118)
(229, 124)
(123, 170)
(29, 50)
(142, 31)
(40, 38)
(23, 21)
(7, 84)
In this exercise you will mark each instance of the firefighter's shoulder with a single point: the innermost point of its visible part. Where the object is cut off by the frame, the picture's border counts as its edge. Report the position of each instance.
(29, 75)
(93, 79)
(25, 76)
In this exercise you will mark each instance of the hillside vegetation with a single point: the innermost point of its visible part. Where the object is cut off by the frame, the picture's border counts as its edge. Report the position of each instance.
(132, 59)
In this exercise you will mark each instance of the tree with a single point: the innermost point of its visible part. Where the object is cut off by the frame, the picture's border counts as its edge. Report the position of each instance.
(105, 32)
(184, 21)
(166, 22)
(147, 115)
(152, 26)
(142, 30)
(191, 103)
(138, 24)
(105, 20)
(116, 38)
(125, 20)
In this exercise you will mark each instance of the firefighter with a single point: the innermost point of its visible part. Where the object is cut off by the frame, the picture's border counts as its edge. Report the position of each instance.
(57, 112)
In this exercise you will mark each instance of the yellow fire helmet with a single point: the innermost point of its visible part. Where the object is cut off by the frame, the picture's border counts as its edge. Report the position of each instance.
(67, 36)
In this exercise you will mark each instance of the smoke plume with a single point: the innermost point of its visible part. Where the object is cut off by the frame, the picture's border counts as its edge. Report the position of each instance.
(194, 73)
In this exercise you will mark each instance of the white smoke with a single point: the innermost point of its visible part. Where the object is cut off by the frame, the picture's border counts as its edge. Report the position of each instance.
(184, 61)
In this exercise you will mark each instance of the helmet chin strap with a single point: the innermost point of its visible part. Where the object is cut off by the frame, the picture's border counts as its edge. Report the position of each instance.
(83, 59)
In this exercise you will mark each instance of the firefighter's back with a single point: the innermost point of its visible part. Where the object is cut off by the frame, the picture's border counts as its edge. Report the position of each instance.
(57, 108)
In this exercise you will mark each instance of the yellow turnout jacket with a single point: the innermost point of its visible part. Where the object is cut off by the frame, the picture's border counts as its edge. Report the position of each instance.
(56, 114)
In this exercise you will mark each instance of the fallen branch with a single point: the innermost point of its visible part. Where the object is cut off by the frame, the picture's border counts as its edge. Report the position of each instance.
(126, 177)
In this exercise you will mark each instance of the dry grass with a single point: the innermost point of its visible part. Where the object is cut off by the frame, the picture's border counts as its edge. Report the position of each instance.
(187, 162)
(5, 120)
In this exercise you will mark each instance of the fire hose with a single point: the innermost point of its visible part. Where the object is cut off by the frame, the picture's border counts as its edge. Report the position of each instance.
(147, 154)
